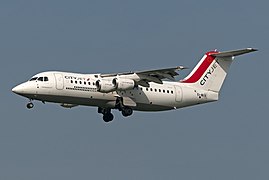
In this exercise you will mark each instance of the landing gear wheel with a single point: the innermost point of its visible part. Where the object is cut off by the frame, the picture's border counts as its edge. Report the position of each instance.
(126, 111)
(108, 117)
(30, 105)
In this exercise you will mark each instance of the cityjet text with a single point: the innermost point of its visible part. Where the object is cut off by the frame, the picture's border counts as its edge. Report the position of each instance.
(209, 73)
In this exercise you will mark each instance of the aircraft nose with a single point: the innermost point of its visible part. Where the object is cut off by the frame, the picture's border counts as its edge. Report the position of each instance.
(18, 89)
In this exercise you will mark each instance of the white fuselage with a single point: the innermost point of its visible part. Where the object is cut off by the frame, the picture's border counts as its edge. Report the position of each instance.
(141, 90)
(71, 89)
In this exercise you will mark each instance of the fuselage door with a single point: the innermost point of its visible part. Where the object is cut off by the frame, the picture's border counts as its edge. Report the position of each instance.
(59, 81)
(178, 93)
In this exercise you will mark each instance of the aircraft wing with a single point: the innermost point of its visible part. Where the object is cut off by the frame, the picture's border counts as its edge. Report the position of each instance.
(168, 73)
(143, 77)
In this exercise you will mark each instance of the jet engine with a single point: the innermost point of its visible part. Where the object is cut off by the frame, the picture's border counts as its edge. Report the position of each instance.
(105, 85)
(122, 84)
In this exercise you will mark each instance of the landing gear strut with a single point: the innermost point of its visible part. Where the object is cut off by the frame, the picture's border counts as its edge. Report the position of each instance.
(107, 115)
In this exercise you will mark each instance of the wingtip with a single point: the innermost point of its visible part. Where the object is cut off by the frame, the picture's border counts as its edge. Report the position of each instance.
(182, 67)
(252, 49)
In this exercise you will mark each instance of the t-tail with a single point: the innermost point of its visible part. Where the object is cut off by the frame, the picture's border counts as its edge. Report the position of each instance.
(209, 74)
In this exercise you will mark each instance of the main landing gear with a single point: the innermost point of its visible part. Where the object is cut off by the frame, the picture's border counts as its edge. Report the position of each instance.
(126, 111)
(108, 116)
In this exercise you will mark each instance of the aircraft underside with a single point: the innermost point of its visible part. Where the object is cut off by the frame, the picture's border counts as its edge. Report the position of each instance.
(104, 106)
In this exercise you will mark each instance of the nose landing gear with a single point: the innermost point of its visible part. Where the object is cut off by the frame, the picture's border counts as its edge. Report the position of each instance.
(30, 105)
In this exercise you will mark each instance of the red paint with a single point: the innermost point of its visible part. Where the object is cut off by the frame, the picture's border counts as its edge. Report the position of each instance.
(201, 69)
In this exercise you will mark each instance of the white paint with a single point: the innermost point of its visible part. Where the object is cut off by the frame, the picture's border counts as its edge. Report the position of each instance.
(72, 89)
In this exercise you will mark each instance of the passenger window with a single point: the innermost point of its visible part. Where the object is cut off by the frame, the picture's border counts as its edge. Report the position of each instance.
(46, 79)
(150, 89)
(84, 83)
(160, 90)
(76, 82)
(89, 83)
(147, 89)
(167, 91)
(163, 91)
(155, 90)
(40, 79)
(172, 92)
(71, 81)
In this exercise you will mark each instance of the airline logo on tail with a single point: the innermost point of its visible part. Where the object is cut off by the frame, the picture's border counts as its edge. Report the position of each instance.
(201, 68)
(209, 73)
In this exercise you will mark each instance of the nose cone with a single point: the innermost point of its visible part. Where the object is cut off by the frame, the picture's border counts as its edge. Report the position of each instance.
(18, 89)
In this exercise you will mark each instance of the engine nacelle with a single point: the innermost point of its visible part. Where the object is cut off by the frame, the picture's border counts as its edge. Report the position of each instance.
(122, 84)
(105, 85)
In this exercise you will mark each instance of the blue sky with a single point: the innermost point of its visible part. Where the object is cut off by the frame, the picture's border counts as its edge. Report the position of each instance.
(223, 140)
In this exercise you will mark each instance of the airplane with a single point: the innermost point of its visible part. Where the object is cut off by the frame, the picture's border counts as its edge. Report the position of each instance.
(151, 90)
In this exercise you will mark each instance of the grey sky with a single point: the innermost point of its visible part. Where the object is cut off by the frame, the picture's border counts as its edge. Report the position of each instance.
(223, 140)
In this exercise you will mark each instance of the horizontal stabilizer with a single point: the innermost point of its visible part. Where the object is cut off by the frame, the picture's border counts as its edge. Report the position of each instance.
(232, 53)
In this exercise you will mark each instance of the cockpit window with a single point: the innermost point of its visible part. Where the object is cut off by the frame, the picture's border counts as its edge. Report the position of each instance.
(40, 79)
(33, 79)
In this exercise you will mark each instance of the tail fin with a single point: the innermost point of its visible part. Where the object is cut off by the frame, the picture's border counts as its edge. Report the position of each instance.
(209, 74)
